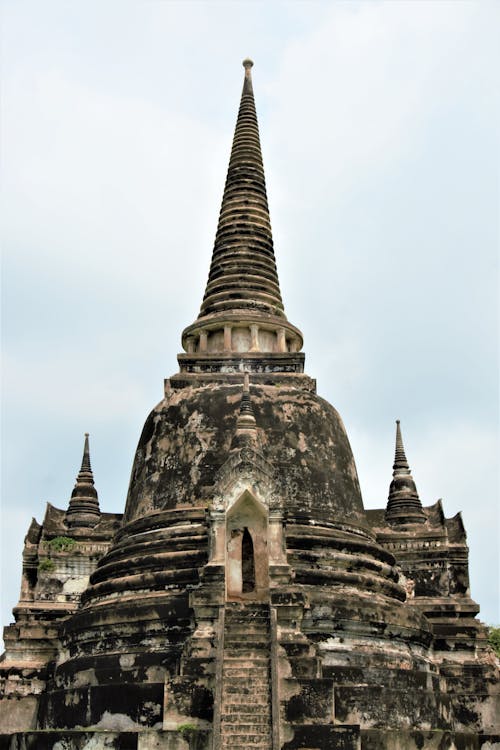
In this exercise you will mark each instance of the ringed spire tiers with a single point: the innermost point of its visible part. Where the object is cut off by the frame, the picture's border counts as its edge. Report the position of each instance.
(404, 504)
(83, 509)
(242, 312)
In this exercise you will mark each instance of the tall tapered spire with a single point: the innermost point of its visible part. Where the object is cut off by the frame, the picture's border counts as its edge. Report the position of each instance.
(243, 270)
(242, 310)
(83, 509)
(404, 504)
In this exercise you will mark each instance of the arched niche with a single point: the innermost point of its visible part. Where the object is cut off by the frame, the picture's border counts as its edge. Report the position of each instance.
(247, 557)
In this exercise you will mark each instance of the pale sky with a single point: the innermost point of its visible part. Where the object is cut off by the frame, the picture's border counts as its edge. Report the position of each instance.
(379, 124)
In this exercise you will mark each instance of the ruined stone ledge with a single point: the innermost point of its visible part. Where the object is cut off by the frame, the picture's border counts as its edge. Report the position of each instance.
(321, 577)
(438, 606)
(124, 608)
(392, 708)
(396, 739)
(181, 515)
(79, 739)
(158, 580)
(331, 558)
(197, 379)
(306, 532)
(172, 538)
(324, 737)
(45, 607)
(152, 560)
(377, 677)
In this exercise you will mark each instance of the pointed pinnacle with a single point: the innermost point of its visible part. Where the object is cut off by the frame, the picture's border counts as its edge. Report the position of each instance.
(83, 510)
(400, 460)
(246, 418)
(86, 467)
(404, 504)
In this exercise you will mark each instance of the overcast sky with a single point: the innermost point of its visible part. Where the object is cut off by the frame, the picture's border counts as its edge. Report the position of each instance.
(379, 125)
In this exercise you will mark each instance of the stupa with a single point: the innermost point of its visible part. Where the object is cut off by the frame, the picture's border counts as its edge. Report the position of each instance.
(245, 598)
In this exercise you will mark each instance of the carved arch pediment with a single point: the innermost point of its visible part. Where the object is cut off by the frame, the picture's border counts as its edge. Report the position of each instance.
(246, 470)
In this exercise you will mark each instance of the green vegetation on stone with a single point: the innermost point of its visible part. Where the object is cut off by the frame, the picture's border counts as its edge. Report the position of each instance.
(187, 730)
(46, 565)
(61, 543)
(494, 638)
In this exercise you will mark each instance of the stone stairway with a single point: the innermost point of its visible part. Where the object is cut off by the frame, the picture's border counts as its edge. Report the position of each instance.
(246, 718)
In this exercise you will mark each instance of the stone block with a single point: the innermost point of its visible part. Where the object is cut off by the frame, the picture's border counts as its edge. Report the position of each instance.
(324, 737)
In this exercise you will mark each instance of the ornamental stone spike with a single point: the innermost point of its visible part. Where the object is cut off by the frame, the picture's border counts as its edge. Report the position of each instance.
(86, 467)
(83, 510)
(404, 504)
(400, 460)
(246, 426)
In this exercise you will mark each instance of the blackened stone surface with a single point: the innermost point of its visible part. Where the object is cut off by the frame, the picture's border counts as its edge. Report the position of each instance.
(187, 437)
(373, 739)
(324, 737)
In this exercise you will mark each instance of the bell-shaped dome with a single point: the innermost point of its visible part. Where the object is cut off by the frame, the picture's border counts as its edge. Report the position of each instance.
(187, 437)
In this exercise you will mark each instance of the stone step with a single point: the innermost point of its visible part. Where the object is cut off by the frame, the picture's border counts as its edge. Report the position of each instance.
(259, 639)
(246, 618)
(256, 665)
(247, 740)
(252, 641)
(247, 606)
(260, 723)
(250, 619)
(253, 673)
(235, 708)
(252, 689)
(241, 731)
(243, 632)
(245, 718)
(262, 658)
(245, 703)
(249, 688)
(250, 699)
(240, 681)
(244, 653)
(229, 739)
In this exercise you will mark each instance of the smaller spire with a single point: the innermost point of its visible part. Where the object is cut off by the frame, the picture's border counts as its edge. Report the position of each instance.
(83, 509)
(404, 504)
(246, 426)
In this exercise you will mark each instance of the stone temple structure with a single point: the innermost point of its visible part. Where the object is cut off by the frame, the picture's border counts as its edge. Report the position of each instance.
(245, 598)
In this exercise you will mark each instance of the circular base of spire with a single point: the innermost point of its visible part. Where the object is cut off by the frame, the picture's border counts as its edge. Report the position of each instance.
(241, 332)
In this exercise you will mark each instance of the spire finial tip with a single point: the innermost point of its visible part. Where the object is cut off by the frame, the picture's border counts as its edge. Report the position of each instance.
(397, 421)
(247, 63)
